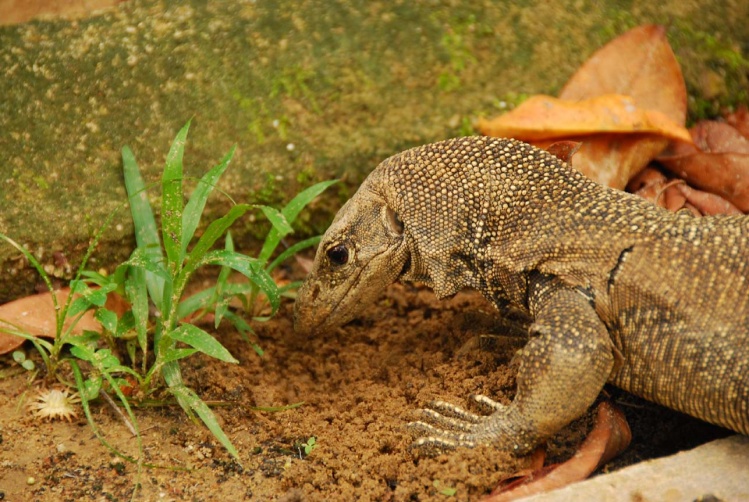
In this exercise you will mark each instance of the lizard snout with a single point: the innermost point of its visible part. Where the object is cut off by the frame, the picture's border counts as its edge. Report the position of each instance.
(308, 315)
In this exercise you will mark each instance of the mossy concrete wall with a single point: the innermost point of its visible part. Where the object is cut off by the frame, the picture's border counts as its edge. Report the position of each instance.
(308, 90)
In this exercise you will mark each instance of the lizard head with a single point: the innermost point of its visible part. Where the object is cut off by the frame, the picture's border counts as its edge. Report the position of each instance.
(362, 252)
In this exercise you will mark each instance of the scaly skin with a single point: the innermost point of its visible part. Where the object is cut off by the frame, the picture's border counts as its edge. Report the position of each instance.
(619, 290)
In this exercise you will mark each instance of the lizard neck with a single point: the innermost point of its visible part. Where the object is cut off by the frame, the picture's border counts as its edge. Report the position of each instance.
(441, 193)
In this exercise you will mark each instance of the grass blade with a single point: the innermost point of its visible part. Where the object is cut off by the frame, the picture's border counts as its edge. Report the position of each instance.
(146, 234)
(171, 201)
(187, 395)
(205, 343)
(222, 301)
(176, 354)
(214, 231)
(295, 205)
(196, 204)
(277, 219)
(204, 299)
(292, 250)
(135, 291)
(290, 212)
(107, 319)
(250, 268)
(244, 328)
(89, 417)
(141, 258)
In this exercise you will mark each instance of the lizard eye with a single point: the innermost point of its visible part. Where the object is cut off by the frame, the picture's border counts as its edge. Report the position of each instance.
(338, 255)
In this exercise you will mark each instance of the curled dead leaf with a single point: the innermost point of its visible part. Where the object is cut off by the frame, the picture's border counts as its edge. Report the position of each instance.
(707, 203)
(676, 194)
(653, 185)
(718, 162)
(610, 436)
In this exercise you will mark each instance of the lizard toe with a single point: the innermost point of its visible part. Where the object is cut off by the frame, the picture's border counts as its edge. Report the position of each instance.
(447, 422)
(488, 403)
(450, 410)
(434, 440)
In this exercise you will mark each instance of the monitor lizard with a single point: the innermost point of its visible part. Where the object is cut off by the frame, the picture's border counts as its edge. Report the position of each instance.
(618, 290)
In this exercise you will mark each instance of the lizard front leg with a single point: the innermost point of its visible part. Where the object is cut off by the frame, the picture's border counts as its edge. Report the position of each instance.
(561, 372)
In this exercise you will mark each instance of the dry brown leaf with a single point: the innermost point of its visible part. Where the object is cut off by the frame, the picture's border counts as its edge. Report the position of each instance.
(564, 150)
(640, 64)
(653, 185)
(675, 194)
(740, 120)
(718, 137)
(707, 203)
(610, 436)
(305, 263)
(36, 315)
(544, 117)
(718, 162)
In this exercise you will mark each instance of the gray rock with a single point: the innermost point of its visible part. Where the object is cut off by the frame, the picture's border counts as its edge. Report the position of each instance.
(716, 471)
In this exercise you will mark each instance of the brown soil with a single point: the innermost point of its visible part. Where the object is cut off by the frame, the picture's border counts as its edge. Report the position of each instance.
(360, 385)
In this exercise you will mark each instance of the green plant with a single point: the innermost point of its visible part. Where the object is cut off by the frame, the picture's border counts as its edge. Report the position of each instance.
(157, 274)
(446, 490)
(159, 270)
(19, 356)
(308, 446)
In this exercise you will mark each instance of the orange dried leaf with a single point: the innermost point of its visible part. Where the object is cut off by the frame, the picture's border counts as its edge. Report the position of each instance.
(544, 117)
(36, 315)
(610, 436)
(638, 63)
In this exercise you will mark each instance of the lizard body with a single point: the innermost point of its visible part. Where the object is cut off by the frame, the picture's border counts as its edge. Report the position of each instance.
(619, 290)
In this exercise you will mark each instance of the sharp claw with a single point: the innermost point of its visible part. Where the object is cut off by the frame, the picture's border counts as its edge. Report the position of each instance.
(452, 411)
(432, 436)
(425, 429)
(488, 403)
(436, 444)
(448, 422)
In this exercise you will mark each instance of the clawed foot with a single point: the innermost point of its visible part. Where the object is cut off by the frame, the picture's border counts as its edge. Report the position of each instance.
(455, 427)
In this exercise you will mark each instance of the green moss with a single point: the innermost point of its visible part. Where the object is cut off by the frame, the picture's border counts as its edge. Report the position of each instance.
(716, 71)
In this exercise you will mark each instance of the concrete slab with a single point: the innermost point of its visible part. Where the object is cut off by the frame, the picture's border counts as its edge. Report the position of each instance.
(716, 471)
